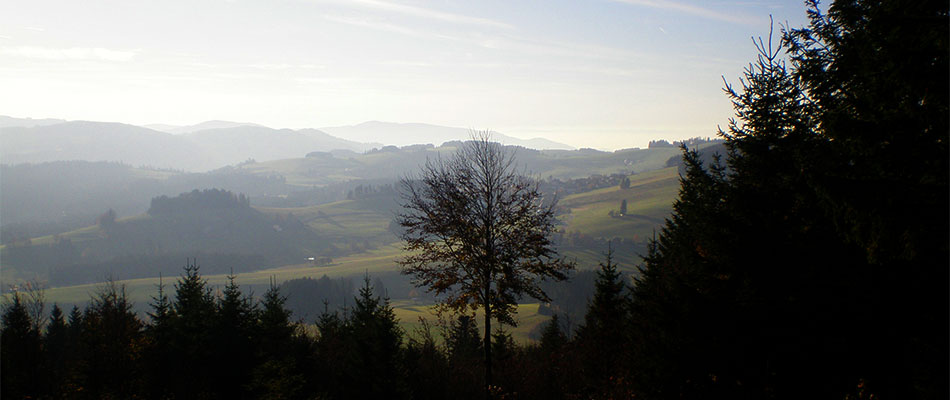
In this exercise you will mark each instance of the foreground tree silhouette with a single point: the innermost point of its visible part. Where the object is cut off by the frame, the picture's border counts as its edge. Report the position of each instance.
(601, 337)
(478, 234)
(19, 350)
(815, 259)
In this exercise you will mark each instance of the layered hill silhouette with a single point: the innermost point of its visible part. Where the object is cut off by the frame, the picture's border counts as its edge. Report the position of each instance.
(404, 134)
(208, 145)
(218, 226)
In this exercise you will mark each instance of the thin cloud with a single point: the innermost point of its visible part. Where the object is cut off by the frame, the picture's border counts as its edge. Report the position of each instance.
(387, 27)
(404, 63)
(72, 53)
(493, 42)
(277, 67)
(692, 10)
(424, 13)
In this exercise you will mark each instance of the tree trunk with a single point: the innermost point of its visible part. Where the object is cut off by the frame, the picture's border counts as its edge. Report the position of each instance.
(487, 351)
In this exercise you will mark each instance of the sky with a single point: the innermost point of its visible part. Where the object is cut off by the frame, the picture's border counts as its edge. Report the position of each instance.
(604, 74)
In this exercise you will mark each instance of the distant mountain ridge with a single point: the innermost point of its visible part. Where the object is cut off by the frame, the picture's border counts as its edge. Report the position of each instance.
(6, 122)
(405, 134)
(215, 124)
(26, 141)
(101, 141)
(212, 144)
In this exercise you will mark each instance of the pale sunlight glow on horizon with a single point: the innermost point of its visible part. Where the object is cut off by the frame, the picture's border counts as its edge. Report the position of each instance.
(600, 74)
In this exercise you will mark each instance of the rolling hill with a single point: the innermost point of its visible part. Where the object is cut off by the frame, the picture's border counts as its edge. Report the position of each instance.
(236, 144)
(405, 134)
(208, 145)
(102, 141)
(213, 225)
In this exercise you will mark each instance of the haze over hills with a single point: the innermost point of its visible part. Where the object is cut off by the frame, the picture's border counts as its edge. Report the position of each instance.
(6, 121)
(102, 141)
(260, 143)
(215, 124)
(404, 134)
(212, 144)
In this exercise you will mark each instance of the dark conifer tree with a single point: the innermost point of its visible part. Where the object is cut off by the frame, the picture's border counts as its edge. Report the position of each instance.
(74, 323)
(333, 350)
(279, 374)
(20, 352)
(275, 325)
(555, 375)
(767, 277)
(55, 345)
(464, 346)
(553, 337)
(426, 366)
(877, 72)
(377, 340)
(601, 338)
(159, 357)
(234, 341)
(506, 358)
(111, 344)
(191, 319)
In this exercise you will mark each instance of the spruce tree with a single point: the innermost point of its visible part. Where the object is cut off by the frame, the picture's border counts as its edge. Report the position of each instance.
(278, 375)
(426, 366)
(553, 338)
(601, 337)
(55, 345)
(333, 349)
(192, 321)
(768, 275)
(20, 351)
(160, 355)
(234, 331)
(111, 346)
(377, 340)
(554, 368)
(464, 346)
(275, 326)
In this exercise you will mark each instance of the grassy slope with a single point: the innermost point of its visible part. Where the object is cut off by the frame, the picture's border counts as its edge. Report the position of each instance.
(141, 290)
(649, 201)
(348, 220)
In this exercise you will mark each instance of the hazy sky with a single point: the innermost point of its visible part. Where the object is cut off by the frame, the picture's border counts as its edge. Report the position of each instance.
(603, 74)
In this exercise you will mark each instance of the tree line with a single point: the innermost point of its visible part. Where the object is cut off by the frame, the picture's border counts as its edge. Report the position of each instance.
(201, 343)
(198, 200)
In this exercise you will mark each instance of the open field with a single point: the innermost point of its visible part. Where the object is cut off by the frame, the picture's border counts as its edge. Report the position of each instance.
(649, 202)
(409, 313)
(347, 221)
(141, 290)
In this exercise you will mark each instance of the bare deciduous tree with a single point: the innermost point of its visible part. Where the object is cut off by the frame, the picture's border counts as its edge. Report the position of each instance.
(477, 234)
